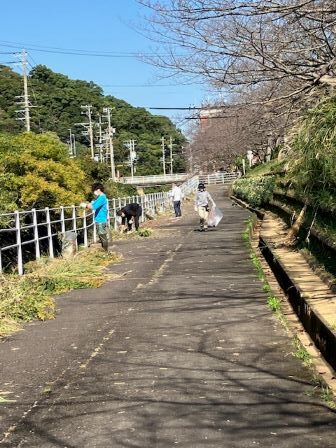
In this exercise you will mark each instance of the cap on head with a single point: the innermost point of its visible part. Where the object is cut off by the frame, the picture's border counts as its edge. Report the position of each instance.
(201, 186)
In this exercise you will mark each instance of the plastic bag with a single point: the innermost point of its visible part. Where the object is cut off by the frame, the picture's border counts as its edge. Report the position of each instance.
(215, 217)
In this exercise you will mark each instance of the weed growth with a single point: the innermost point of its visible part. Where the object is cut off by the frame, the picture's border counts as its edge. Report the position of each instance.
(274, 303)
(30, 296)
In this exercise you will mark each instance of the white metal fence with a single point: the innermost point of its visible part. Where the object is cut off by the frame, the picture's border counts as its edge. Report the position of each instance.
(155, 179)
(218, 178)
(26, 235)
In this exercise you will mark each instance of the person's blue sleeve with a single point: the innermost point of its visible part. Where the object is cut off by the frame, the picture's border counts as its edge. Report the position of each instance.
(99, 202)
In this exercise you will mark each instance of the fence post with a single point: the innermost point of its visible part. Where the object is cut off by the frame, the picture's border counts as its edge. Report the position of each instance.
(85, 229)
(74, 222)
(18, 242)
(94, 228)
(108, 213)
(115, 226)
(142, 199)
(62, 220)
(51, 247)
(36, 235)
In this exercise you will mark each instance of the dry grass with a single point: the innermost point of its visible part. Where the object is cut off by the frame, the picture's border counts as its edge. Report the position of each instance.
(30, 296)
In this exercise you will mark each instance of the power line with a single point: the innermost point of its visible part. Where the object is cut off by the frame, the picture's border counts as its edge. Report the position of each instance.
(176, 108)
(210, 117)
(77, 52)
(32, 59)
(141, 85)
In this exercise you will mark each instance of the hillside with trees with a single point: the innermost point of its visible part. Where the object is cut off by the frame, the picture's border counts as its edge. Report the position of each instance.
(58, 100)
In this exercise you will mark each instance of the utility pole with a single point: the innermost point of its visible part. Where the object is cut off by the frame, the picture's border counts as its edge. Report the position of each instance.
(130, 145)
(74, 145)
(191, 162)
(163, 155)
(88, 112)
(110, 132)
(71, 153)
(25, 90)
(100, 138)
(24, 99)
(171, 154)
(131, 157)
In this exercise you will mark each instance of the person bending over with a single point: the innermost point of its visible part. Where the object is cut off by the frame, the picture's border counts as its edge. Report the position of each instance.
(129, 214)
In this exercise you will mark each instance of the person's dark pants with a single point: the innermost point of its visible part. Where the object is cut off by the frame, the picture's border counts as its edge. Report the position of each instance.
(177, 208)
(102, 235)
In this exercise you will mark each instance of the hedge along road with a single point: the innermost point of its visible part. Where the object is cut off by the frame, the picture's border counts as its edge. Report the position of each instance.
(181, 351)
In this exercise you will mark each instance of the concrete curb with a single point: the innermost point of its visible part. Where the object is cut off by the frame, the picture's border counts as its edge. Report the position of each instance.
(314, 324)
(323, 337)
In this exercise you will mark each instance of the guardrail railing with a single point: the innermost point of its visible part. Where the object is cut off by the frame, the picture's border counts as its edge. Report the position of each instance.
(218, 178)
(26, 235)
(160, 178)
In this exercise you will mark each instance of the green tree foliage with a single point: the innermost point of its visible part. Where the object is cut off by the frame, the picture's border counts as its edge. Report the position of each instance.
(312, 164)
(11, 87)
(59, 99)
(95, 171)
(36, 171)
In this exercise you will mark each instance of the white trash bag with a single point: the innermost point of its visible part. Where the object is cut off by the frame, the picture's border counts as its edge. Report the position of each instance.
(215, 217)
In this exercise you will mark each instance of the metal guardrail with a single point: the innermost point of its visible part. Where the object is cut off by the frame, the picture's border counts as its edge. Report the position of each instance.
(155, 179)
(218, 178)
(29, 233)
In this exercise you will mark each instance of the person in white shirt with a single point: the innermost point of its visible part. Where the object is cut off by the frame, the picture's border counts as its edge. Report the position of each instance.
(177, 196)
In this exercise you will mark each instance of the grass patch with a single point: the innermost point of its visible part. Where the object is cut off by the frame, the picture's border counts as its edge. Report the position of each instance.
(272, 167)
(143, 232)
(250, 224)
(274, 304)
(301, 353)
(23, 298)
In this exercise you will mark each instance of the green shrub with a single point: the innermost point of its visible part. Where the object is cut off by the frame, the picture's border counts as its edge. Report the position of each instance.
(257, 191)
(313, 162)
(144, 232)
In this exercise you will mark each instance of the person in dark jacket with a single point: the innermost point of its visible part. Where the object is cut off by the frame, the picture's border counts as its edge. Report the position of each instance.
(129, 214)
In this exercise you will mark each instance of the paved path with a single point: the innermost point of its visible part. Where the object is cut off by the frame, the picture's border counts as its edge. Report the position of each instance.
(181, 352)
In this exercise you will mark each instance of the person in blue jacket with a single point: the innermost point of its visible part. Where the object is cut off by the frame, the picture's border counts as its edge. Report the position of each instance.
(100, 208)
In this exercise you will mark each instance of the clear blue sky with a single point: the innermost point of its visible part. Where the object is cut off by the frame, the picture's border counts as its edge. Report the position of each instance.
(101, 25)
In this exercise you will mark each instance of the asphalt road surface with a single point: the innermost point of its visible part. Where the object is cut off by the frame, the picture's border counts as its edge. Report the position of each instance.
(180, 351)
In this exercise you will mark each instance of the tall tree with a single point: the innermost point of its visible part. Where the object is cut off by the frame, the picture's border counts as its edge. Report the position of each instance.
(58, 102)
